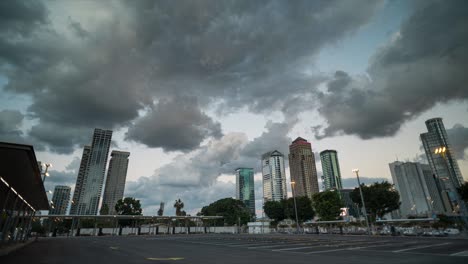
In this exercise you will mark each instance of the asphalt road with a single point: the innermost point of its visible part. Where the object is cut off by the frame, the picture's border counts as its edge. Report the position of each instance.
(228, 249)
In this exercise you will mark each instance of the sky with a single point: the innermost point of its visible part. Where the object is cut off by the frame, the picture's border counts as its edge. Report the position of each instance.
(195, 89)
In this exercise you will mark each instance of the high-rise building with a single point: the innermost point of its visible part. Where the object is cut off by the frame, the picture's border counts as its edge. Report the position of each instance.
(443, 163)
(353, 209)
(75, 206)
(331, 170)
(412, 183)
(302, 168)
(93, 179)
(115, 182)
(60, 200)
(434, 187)
(245, 187)
(274, 176)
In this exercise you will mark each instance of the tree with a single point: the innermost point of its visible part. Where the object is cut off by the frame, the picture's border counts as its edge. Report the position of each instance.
(274, 210)
(380, 198)
(179, 205)
(104, 210)
(128, 206)
(231, 209)
(463, 191)
(328, 205)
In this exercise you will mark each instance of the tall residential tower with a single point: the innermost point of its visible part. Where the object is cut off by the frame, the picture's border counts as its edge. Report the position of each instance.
(75, 206)
(331, 170)
(245, 187)
(115, 182)
(443, 163)
(88, 194)
(60, 200)
(302, 168)
(274, 176)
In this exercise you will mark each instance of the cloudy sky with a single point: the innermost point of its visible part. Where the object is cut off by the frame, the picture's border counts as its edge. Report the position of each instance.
(194, 89)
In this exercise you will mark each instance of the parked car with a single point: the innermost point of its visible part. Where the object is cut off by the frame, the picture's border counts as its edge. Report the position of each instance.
(452, 231)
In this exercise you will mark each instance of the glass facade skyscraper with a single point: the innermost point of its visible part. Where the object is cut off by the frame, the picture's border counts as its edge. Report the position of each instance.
(245, 188)
(92, 180)
(443, 165)
(302, 168)
(331, 170)
(75, 204)
(60, 200)
(115, 181)
(274, 176)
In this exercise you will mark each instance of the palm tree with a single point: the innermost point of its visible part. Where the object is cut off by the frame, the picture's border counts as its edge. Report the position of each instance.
(178, 205)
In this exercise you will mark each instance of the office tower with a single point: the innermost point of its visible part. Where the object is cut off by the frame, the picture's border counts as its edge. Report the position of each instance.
(434, 187)
(115, 182)
(75, 206)
(331, 170)
(93, 178)
(302, 168)
(245, 188)
(60, 200)
(443, 163)
(412, 183)
(274, 177)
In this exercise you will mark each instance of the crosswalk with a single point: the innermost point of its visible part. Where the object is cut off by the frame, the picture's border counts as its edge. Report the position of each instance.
(316, 245)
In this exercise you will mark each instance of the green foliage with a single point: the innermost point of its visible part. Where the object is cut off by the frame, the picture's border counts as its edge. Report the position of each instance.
(380, 198)
(463, 191)
(104, 210)
(230, 209)
(280, 210)
(128, 206)
(327, 204)
(179, 205)
(274, 210)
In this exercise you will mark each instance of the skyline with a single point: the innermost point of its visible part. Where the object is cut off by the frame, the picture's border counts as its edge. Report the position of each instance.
(216, 93)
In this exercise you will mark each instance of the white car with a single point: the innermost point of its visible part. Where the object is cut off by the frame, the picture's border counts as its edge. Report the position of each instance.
(452, 231)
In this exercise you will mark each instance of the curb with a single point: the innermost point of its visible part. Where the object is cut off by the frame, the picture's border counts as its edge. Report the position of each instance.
(7, 250)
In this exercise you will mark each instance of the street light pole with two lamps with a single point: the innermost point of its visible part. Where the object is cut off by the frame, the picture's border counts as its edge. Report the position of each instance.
(295, 206)
(362, 200)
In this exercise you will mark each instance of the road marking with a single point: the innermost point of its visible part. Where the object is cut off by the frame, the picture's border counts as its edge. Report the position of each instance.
(114, 248)
(246, 244)
(164, 258)
(277, 245)
(325, 251)
(286, 249)
(460, 254)
(426, 246)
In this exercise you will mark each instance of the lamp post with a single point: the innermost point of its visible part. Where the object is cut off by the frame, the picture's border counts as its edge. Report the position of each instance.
(362, 200)
(461, 204)
(295, 206)
(46, 173)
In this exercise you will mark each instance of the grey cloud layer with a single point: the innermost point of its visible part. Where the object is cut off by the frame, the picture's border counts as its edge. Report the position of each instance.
(424, 64)
(458, 136)
(228, 54)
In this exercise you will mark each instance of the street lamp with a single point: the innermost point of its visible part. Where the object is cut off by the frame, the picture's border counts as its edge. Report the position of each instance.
(362, 200)
(460, 204)
(46, 173)
(295, 206)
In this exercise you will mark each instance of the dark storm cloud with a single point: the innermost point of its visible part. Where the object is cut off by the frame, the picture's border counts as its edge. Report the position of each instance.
(175, 124)
(458, 136)
(228, 54)
(10, 124)
(20, 17)
(424, 64)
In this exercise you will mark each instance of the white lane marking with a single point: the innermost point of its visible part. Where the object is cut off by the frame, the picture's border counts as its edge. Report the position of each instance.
(426, 246)
(325, 251)
(460, 254)
(286, 249)
(248, 245)
(278, 245)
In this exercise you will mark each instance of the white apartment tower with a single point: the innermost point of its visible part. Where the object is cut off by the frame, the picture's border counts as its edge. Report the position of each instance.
(274, 176)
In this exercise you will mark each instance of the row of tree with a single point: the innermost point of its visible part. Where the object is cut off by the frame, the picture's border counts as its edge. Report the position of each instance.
(380, 198)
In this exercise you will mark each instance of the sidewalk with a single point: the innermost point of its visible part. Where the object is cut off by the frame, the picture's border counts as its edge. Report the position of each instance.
(7, 249)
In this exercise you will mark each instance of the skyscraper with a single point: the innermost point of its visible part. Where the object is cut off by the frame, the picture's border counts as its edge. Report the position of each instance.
(75, 206)
(413, 186)
(115, 182)
(89, 192)
(274, 176)
(245, 187)
(331, 170)
(443, 164)
(302, 168)
(60, 200)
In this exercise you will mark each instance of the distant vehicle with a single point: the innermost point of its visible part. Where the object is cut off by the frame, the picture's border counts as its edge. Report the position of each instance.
(451, 231)
(438, 233)
(409, 232)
